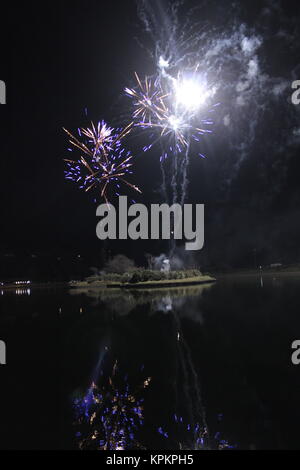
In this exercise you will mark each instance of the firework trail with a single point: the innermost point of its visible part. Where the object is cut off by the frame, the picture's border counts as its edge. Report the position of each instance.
(184, 167)
(171, 109)
(103, 164)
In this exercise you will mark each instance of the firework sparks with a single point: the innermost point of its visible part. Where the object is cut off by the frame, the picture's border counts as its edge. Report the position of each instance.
(186, 436)
(104, 163)
(148, 100)
(109, 417)
(194, 437)
(171, 106)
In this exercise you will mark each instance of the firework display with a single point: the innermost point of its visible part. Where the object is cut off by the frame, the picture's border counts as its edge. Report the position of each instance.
(104, 164)
(109, 417)
(172, 106)
(148, 100)
(169, 107)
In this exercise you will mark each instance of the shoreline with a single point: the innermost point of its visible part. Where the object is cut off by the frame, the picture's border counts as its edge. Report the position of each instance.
(198, 280)
(258, 273)
(204, 279)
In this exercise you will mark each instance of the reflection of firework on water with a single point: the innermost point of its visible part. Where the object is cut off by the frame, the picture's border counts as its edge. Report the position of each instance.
(193, 437)
(194, 434)
(103, 164)
(187, 436)
(108, 417)
(189, 429)
(221, 443)
(189, 426)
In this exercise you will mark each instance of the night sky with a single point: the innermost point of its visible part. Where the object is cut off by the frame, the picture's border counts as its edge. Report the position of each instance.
(67, 56)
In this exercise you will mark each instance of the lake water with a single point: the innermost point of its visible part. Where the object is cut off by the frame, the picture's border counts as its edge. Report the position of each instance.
(190, 368)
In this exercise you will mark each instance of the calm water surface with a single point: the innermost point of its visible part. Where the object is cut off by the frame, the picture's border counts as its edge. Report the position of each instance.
(191, 368)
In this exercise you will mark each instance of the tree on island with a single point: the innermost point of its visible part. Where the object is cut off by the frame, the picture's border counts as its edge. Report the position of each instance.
(119, 264)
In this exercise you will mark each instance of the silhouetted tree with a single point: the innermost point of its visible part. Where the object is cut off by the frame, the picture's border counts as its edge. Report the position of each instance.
(119, 264)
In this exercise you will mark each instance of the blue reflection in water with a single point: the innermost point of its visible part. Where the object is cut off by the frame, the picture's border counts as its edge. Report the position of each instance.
(111, 414)
(108, 417)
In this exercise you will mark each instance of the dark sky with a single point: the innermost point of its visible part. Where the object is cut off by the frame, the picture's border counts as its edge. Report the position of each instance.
(64, 57)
